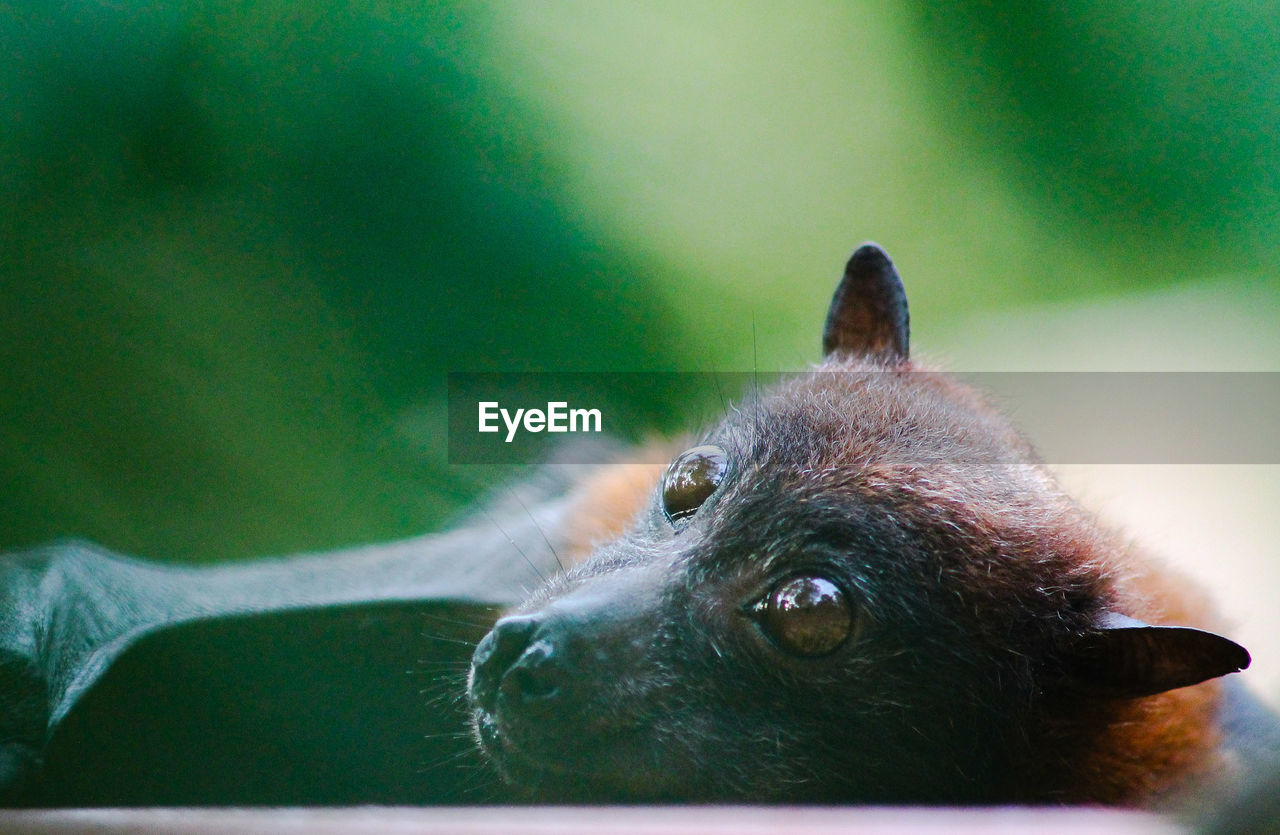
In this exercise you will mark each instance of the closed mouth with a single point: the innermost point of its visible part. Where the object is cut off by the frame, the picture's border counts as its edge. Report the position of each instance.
(595, 768)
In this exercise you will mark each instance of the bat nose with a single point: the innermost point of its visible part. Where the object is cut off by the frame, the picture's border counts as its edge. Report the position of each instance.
(517, 663)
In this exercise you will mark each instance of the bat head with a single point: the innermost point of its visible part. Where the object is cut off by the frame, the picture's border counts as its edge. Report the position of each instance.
(862, 586)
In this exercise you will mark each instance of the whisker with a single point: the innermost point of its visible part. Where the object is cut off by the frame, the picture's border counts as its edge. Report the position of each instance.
(755, 376)
(452, 755)
(458, 663)
(443, 640)
(538, 527)
(452, 675)
(478, 624)
(519, 550)
(724, 404)
(475, 781)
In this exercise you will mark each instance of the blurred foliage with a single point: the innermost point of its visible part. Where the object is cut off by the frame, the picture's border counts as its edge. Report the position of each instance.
(241, 247)
(1159, 119)
(243, 242)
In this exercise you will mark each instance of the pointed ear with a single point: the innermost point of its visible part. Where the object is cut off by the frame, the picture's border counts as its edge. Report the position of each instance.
(1127, 658)
(868, 315)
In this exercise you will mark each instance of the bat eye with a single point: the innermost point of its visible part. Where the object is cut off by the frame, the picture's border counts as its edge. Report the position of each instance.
(807, 616)
(691, 479)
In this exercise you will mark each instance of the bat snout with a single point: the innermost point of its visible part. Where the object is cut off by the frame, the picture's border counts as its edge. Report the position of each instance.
(520, 663)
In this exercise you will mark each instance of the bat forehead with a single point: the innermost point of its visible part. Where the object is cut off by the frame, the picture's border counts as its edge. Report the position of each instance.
(887, 438)
(846, 416)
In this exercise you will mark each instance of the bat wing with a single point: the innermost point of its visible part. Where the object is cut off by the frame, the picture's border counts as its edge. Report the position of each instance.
(317, 679)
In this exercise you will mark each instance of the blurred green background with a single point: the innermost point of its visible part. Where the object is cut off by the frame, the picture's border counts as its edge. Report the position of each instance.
(242, 243)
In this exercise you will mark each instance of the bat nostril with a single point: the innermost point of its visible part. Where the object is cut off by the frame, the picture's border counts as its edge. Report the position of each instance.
(495, 654)
(535, 677)
(518, 663)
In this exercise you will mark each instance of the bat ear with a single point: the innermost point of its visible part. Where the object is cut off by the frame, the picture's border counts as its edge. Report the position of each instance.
(1127, 658)
(868, 315)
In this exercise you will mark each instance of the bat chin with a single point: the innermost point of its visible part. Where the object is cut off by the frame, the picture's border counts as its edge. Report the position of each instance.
(591, 769)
